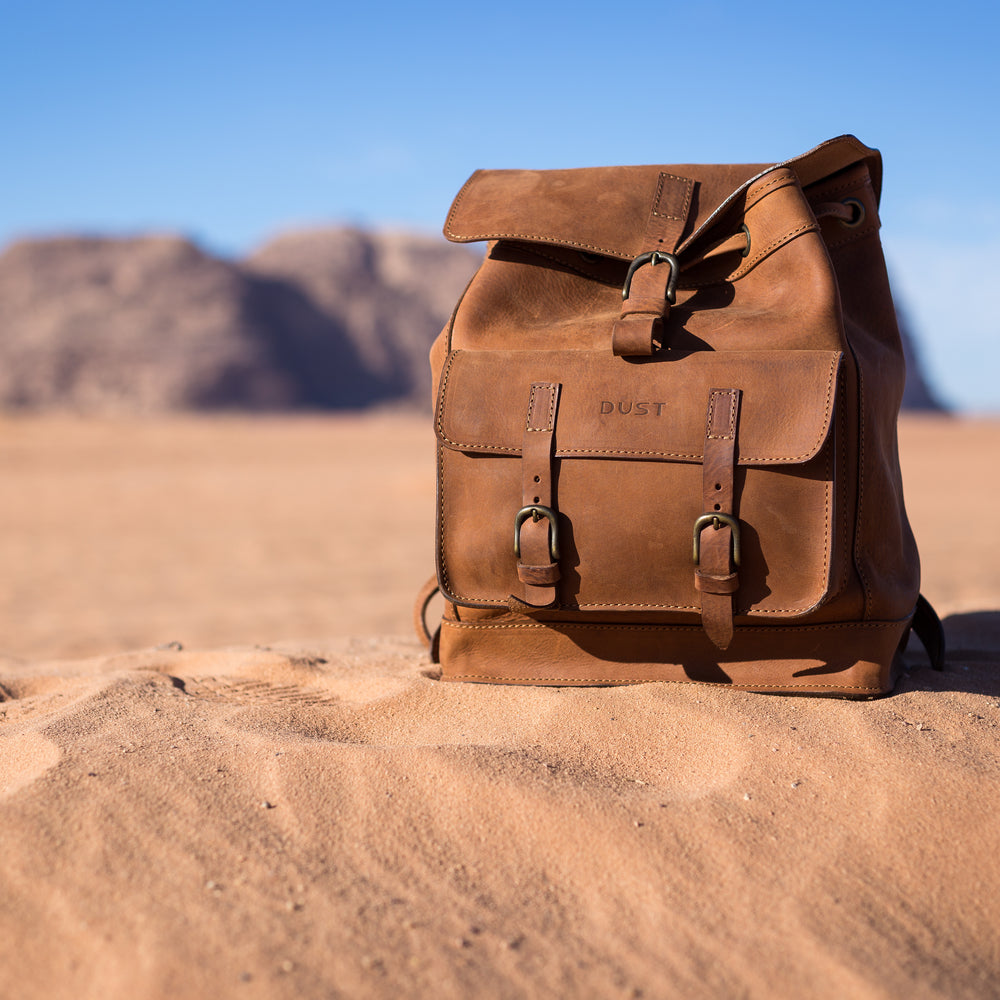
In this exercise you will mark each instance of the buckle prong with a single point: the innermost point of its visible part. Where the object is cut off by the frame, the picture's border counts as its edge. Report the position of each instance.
(653, 258)
(716, 521)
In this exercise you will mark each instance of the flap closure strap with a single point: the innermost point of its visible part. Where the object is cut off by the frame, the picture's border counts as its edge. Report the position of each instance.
(646, 305)
(536, 527)
(648, 298)
(717, 551)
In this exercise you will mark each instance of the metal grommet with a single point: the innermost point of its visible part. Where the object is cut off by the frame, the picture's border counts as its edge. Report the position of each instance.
(746, 252)
(857, 213)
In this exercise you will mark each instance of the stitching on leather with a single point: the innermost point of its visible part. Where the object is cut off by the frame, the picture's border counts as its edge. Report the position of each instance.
(542, 238)
(660, 607)
(757, 191)
(550, 417)
(446, 375)
(687, 198)
(713, 399)
(597, 452)
(531, 408)
(460, 237)
(811, 227)
(745, 268)
(611, 682)
(446, 583)
(752, 629)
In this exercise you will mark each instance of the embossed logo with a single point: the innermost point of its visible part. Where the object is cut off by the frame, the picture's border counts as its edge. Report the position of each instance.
(631, 408)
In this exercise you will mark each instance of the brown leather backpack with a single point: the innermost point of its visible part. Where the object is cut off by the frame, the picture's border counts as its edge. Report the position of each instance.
(666, 420)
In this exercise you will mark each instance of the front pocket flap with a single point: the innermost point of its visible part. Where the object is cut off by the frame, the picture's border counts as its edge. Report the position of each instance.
(652, 409)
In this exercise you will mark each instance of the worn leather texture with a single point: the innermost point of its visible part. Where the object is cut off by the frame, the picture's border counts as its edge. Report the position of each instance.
(659, 361)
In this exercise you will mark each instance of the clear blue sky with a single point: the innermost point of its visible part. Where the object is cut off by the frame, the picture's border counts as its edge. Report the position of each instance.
(231, 121)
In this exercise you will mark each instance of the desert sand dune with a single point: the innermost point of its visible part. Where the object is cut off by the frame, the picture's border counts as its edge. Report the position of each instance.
(226, 769)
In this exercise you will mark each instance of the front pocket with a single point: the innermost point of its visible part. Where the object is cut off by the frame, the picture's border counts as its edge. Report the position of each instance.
(627, 477)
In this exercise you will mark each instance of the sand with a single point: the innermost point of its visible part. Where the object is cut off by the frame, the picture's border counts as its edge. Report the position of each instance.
(225, 770)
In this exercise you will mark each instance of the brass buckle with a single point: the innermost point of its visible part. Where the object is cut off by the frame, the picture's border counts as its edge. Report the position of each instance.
(653, 258)
(536, 512)
(716, 521)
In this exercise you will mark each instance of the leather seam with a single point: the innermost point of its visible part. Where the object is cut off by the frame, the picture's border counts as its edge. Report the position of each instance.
(755, 192)
(562, 452)
(611, 682)
(449, 231)
(777, 242)
(746, 630)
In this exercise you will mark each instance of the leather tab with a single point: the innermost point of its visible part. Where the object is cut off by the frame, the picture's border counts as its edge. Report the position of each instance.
(716, 578)
(536, 568)
(669, 214)
(709, 584)
(636, 335)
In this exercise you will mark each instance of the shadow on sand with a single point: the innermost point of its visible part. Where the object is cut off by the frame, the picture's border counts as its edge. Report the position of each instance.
(973, 657)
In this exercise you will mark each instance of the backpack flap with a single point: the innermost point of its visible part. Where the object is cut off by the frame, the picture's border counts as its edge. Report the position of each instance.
(601, 465)
(608, 210)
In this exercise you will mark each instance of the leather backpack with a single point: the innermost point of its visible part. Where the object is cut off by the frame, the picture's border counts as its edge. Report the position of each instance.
(666, 410)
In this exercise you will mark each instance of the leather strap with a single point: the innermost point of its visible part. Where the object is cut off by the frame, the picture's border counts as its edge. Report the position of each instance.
(715, 575)
(536, 568)
(639, 329)
(424, 597)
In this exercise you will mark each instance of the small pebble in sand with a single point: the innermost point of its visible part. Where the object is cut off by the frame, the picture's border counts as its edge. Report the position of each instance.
(266, 805)
(287, 966)
(746, 796)
(795, 784)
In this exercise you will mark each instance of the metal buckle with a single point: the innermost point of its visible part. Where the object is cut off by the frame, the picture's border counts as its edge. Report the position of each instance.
(536, 512)
(716, 520)
(653, 258)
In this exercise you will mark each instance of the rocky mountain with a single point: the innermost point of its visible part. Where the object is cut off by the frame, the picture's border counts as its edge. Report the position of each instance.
(331, 319)
(328, 319)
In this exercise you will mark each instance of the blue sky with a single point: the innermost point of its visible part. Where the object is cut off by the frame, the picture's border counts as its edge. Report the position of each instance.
(232, 121)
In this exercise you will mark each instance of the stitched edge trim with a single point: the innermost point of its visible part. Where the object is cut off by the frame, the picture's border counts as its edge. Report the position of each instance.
(629, 452)
(746, 685)
(607, 682)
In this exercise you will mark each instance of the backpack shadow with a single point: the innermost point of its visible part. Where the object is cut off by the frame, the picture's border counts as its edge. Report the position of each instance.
(972, 660)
